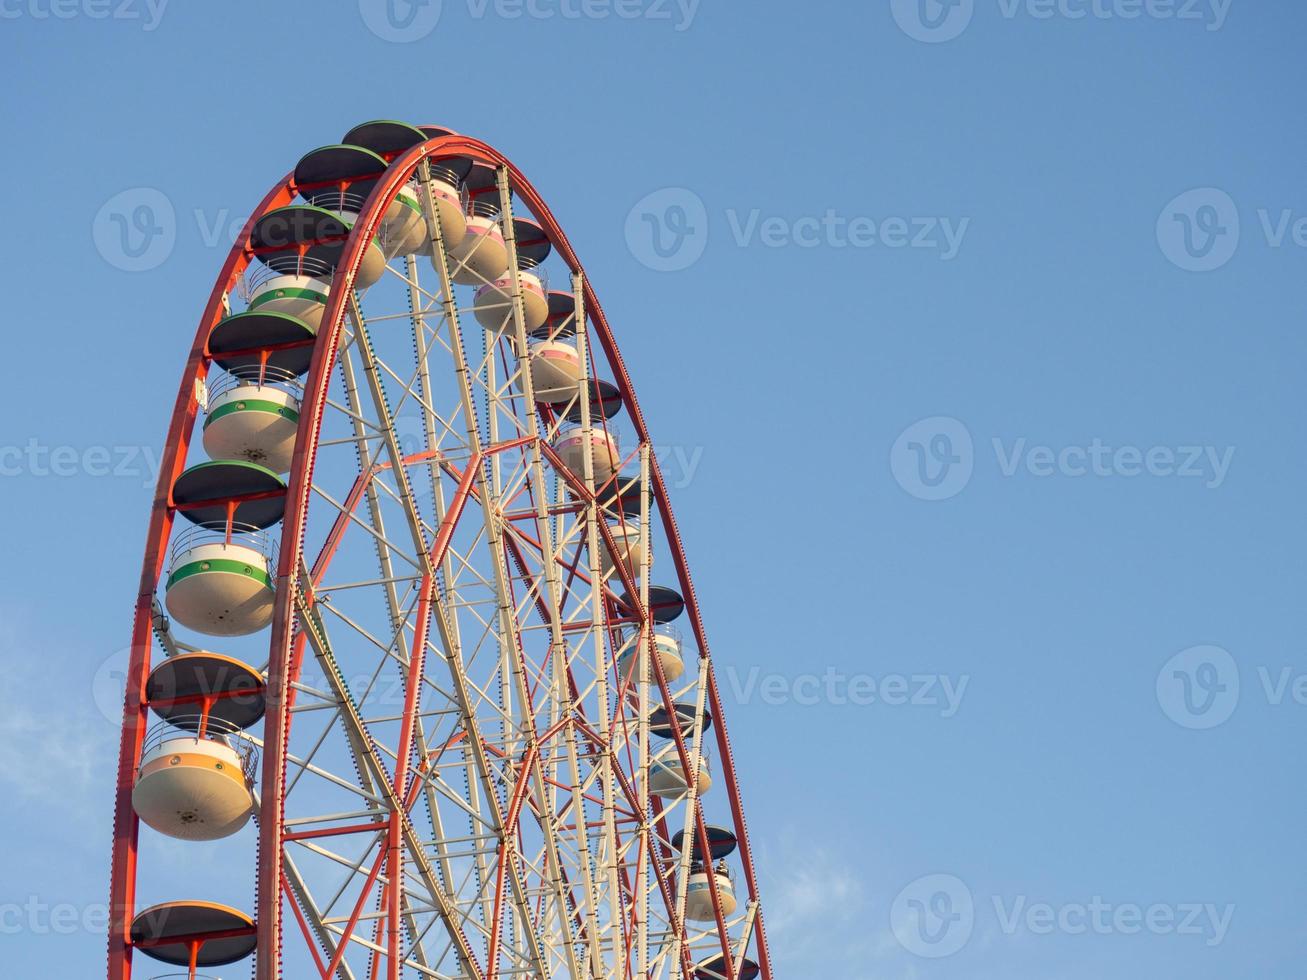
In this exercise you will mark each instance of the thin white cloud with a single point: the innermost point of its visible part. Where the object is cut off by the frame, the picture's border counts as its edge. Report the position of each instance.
(49, 758)
(817, 907)
(52, 742)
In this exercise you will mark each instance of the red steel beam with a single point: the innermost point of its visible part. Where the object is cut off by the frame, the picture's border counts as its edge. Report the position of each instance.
(122, 876)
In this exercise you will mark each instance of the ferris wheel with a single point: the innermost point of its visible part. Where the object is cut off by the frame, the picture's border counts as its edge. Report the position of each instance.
(418, 619)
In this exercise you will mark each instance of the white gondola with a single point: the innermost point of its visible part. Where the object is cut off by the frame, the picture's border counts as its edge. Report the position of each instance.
(301, 296)
(481, 256)
(667, 775)
(555, 370)
(555, 362)
(629, 547)
(668, 653)
(195, 780)
(400, 231)
(220, 580)
(253, 415)
(449, 208)
(388, 138)
(220, 584)
(195, 785)
(340, 178)
(698, 894)
(403, 229)
(373, 264)
(493, 305)
(572, 444)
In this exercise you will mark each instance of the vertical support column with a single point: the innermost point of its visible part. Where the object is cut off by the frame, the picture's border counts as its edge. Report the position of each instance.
(691, 807)
(611, 857)
(746, 933)
(648, 645)
(597, 969)
(553, 586)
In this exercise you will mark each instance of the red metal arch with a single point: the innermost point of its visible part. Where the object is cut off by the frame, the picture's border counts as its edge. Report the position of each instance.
(281, 658)
(122, 888)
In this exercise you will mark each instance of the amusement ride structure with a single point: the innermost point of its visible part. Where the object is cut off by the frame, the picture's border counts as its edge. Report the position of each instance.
(399, 633)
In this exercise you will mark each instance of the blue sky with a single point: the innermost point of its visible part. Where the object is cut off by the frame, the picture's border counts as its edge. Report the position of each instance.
(969, 336)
